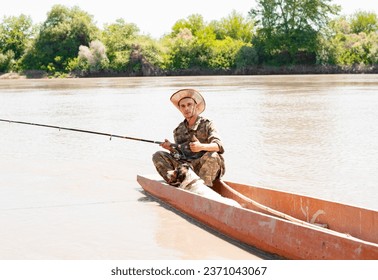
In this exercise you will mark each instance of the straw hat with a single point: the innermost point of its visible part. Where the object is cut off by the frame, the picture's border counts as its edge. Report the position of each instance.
(191, 93)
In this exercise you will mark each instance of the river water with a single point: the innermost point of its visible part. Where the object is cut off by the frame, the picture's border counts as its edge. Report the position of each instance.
(313, 135)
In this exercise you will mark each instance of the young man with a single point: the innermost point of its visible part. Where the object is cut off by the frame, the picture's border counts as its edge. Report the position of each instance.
(196, 141)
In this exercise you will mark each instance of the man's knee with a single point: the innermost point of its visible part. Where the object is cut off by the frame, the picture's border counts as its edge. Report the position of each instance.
(212, 167)
(211, 158)
(164, 161)
(158, 156)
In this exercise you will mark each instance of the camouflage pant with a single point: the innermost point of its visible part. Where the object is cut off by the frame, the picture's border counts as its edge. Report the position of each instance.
(208, 167)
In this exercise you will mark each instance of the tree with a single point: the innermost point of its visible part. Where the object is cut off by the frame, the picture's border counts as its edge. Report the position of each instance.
(119, 38)
(287, 28)
(179, 50)
(224, 53)
(7, 61)
(188, 45)
(364, 22)
(93, 58)
(59, 39)
(15, 34)
(195, 44)
(194, 23)
(128, 51)
(351, 41)
(234, 26)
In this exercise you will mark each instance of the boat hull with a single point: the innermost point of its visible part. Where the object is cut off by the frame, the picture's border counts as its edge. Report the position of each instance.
(271, 234)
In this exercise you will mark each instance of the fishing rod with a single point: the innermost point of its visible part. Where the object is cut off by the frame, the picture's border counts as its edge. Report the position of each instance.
(83, 131)
(177, 149)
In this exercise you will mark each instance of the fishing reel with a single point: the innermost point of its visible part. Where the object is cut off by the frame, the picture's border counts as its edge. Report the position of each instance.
(177, 152)
(180, 153)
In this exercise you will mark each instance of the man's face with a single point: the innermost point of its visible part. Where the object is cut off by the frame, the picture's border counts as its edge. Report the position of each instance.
(187, 107)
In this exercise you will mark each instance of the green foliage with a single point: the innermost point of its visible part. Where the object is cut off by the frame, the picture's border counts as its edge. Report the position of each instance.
(351, 49)
(352, 41)
(119, 38)
(15, 36)
(203, 47)
(151, 50)
(366, 22)
(188, 51)
(234, 26)
(246, 56)
(276, 32)
(59, 39)
(194, 44)
(91, 59)
(180, 51)
(194, 23)
(120, 61)
(287, 28)
(7, 61)
(224, 52)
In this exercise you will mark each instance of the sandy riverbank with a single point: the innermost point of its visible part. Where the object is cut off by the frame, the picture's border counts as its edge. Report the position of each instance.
(256, 70)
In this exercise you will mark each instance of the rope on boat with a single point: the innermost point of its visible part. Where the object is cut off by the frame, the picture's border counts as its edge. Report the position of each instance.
(271, 210)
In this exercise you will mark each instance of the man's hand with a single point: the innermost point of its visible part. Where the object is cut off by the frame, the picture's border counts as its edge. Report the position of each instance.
(195, 146)
(166, 145)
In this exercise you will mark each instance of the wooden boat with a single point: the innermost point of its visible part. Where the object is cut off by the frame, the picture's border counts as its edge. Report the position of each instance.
(278, 222)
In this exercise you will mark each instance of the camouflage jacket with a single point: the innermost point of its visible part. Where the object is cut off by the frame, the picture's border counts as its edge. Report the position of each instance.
(205, 132)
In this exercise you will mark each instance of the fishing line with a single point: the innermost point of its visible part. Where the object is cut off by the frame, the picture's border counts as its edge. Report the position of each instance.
(83, 131)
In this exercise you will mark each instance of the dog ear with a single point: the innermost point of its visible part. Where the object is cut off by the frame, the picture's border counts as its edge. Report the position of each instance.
(186, 165)
(173, 180)
(181, 174)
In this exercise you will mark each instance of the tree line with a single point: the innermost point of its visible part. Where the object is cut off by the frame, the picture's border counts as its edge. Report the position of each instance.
(276, 33)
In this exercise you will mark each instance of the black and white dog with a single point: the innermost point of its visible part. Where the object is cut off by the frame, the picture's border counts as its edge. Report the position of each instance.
(185, 178)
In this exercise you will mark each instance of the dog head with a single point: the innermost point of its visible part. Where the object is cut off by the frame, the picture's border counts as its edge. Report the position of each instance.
(180, 175)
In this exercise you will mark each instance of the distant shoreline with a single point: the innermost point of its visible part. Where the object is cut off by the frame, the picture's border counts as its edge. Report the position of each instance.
(258, 70)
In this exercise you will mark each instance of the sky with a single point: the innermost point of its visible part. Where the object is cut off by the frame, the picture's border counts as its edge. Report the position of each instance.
(153, 17)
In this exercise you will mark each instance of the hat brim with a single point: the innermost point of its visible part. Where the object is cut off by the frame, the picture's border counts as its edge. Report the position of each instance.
(189, 93)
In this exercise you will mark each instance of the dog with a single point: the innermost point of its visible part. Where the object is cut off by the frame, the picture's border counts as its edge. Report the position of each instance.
(185, 178)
